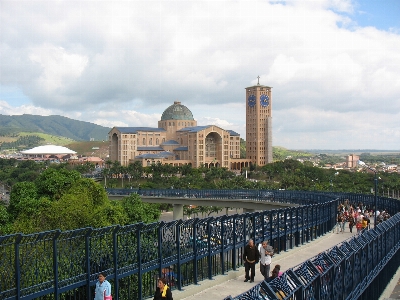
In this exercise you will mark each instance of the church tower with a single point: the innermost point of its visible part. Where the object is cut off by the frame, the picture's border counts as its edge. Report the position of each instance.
(259, 124)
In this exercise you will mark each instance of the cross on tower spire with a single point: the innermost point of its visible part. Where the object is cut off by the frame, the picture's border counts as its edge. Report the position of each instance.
(258, 82)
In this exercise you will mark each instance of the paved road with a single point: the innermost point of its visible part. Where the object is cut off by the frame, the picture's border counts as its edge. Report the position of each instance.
(232, 283)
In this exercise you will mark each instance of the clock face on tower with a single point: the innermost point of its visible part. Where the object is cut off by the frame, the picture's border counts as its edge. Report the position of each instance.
(252, 100)
(264, 100)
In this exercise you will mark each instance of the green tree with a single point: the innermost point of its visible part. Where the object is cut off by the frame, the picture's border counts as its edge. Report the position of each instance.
(4, 220)
(53, 183)
(203, 210)
(84, 204)
(23, 199)
(105, 172)
(112, 213)
(139, 211)
(135, 170)
(85, 168)
(188, 210)
(214, 209)
(29, 220)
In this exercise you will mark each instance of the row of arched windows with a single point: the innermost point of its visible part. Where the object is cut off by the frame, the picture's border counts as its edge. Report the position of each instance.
(151, 141)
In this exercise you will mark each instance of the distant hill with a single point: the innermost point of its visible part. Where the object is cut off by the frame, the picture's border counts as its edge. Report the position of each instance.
(352, 151)
(99, 149)
(53, 125)
(281, 153)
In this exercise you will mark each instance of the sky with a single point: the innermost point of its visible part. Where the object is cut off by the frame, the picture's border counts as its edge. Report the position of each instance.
(334, 65)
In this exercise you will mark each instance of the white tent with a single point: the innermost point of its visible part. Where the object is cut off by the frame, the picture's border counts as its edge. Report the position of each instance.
(48, 149)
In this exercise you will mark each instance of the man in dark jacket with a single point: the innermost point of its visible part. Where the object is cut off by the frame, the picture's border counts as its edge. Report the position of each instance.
(250, 257)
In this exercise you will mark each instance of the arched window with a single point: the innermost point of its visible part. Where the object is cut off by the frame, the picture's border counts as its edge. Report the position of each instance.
(144, 141)
(151, 142)
(157, 141)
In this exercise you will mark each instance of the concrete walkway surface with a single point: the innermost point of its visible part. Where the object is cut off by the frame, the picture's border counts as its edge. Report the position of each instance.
(233, 283)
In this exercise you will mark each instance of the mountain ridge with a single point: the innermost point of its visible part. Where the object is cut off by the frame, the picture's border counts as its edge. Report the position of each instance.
(54, 125)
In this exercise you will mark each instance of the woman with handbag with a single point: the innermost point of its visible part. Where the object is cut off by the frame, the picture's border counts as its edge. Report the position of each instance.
(103, 288)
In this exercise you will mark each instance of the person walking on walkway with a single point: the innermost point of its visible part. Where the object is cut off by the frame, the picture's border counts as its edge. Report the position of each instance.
(163, 292)
(339, 223)
(364, 222)
(344, 220)
(103, 287)
(250, 257)
(352, 222)
(359, 223)
(266, 252)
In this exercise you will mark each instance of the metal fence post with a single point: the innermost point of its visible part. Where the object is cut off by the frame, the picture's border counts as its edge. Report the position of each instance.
(55, 264)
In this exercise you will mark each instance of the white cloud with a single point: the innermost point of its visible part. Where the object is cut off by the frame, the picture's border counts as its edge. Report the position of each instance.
(7, 109)
(57, 65)
(119, 63)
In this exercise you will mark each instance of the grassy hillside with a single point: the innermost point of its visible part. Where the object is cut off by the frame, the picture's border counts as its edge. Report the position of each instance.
(52, 125)
(99, 149)
(27, 140)
(48, 138)
(280, 153)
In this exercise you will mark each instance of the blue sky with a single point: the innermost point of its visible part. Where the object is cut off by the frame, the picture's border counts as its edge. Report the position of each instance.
(14, 95)
(383, 15)
(334, 65)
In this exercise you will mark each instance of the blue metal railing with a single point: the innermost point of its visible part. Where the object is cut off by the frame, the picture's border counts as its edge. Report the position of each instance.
(65, 265)
(358, 268)
(294, 197)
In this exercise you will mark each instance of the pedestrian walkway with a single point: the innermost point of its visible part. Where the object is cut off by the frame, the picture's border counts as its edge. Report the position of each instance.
(233, 283)
(392, 291)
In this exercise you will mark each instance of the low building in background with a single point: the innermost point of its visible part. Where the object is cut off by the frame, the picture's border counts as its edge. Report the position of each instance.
(352, 161)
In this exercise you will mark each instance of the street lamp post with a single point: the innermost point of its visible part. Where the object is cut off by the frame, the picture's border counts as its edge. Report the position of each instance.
(363, 164)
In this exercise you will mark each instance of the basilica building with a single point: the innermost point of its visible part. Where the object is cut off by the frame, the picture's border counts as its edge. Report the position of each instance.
(178, 140)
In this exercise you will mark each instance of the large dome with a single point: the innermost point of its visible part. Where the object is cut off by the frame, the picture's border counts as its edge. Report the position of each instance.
(177, 111)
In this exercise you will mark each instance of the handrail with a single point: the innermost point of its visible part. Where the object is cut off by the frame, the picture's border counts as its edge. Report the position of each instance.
(185, 252)
(359, 267)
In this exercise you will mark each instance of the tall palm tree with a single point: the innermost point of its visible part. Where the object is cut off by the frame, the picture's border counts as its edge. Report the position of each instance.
(105, 173)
